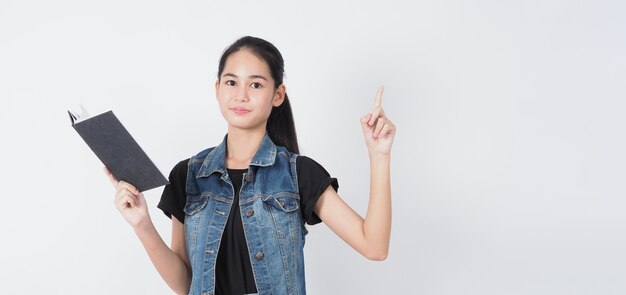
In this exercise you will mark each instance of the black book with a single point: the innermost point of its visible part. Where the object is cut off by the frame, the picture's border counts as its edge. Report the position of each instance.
(118, 151)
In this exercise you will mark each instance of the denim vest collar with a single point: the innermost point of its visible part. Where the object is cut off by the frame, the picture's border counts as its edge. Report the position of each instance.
(214, 162)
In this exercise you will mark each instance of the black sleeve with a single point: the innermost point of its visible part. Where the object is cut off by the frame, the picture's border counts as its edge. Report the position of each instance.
(174, 196)
(313, 180)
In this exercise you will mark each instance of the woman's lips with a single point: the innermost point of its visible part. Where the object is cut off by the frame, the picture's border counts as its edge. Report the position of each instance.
(240, 111)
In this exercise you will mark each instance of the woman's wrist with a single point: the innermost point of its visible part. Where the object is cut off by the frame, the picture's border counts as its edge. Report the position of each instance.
(375, 156)
(143, 225)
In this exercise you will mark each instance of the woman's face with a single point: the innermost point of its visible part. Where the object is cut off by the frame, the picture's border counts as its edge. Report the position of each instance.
(245, 91)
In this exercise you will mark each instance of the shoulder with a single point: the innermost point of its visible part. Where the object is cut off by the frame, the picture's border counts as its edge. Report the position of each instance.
(178, 174)
(182, 164)
(304, 163)
(180, 167)
(311, 173)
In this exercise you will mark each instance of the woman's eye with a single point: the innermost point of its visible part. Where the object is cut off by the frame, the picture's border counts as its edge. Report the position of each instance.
(256, 85)
(230, 83)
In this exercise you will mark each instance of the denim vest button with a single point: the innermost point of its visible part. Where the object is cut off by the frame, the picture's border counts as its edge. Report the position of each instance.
(248, 177)
(259, 255)
(250, 212)
(282, 203)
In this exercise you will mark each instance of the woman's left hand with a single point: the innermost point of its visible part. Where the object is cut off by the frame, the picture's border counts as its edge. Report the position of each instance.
(378, 130)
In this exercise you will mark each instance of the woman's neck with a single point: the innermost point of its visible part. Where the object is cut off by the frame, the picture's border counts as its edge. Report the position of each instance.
(242, 145)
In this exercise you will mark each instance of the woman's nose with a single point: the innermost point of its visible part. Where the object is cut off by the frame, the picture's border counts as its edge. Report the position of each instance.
(242, 95)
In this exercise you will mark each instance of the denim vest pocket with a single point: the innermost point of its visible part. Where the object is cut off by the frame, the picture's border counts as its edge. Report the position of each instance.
(283, 201)
(193, 216)
(284, 219)
(195, 204)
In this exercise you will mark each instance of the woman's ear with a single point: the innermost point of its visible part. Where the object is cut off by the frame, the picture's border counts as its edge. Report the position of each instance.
(279, 96)
(217, 87)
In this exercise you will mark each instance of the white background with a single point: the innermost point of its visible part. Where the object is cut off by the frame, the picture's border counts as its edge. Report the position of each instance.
(508, 166)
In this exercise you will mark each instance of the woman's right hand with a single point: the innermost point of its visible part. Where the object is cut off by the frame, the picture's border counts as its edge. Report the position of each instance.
(129, 201)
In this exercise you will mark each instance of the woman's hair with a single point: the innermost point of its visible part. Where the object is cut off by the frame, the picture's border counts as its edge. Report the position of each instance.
(280, 125)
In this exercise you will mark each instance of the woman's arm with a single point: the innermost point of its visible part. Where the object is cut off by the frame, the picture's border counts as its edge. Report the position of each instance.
(172, 264)
(369, 236)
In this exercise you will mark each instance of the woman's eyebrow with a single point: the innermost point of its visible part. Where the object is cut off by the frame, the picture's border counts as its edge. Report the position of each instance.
(251, 76)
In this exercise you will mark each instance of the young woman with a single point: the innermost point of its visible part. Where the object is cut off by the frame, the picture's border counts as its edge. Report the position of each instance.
(238, 209)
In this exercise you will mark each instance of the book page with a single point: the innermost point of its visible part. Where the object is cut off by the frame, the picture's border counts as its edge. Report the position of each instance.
(78, 117)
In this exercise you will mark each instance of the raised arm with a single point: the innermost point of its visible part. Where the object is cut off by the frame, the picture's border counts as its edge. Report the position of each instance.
(172, 264)
(369, 236)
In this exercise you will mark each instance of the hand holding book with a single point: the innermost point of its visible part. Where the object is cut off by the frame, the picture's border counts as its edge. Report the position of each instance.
(130, 202)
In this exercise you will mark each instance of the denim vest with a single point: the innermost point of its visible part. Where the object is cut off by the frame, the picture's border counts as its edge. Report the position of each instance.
(269, 203)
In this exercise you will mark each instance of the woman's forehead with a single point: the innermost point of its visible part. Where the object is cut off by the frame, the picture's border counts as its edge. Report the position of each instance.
(244, 63)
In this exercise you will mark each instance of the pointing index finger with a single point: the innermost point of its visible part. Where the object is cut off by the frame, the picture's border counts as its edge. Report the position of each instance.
(379, 96)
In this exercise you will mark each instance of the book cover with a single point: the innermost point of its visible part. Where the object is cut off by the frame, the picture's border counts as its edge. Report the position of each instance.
(118, 150)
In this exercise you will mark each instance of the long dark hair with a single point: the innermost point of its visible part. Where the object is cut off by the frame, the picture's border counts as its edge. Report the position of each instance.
(280, 125)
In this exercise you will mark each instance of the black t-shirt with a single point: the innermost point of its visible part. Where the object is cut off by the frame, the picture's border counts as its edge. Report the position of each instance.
(233, 273)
